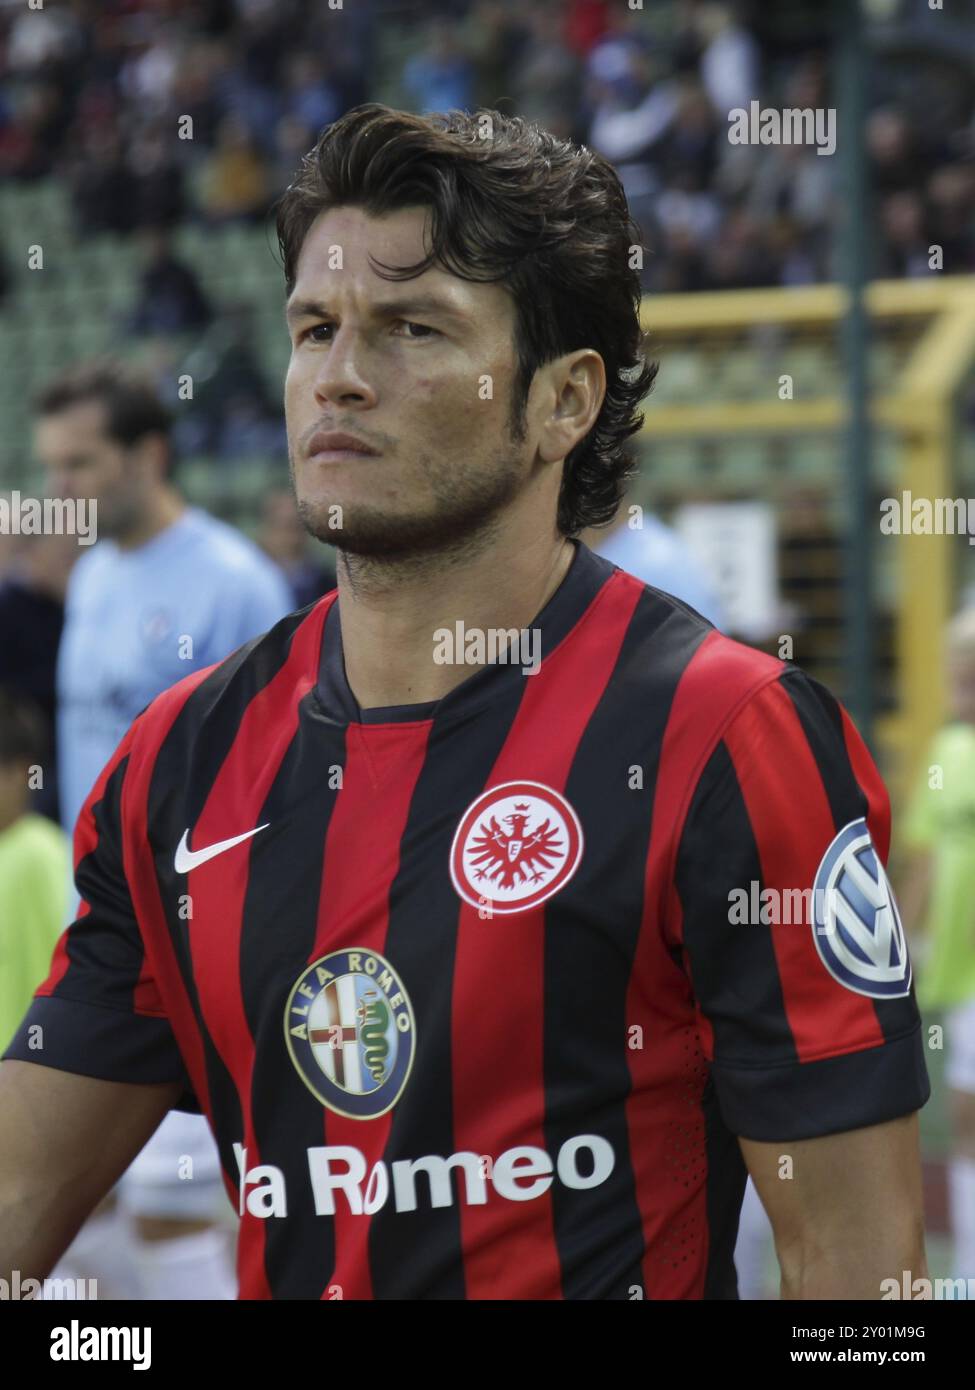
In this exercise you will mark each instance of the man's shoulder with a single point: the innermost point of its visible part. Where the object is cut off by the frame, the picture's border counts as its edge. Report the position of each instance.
(706, 659)
(709, 679)
(220, 549)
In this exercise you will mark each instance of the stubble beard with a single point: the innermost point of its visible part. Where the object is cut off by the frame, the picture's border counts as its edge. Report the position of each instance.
(464, 518)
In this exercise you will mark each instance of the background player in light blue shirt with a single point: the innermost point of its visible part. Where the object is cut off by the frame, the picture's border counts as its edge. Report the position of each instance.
(166, 591)
(655, 553)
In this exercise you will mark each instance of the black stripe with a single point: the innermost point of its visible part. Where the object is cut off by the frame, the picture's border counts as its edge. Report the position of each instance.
(422, 1250)
(100, 879)
(822, 724)
(591, 933)
(277, 941)
(189, 760)
(734, 970)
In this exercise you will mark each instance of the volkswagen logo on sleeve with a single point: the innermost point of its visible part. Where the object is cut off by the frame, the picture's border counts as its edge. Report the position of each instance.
(857, 928)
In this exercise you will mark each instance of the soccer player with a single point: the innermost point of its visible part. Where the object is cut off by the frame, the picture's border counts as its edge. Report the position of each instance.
(450, 949)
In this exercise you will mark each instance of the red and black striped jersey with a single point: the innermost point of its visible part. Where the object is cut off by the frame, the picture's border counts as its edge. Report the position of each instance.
(478, 995)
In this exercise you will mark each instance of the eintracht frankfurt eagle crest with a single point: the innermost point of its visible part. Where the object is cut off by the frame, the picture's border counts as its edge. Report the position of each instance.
(515, 846)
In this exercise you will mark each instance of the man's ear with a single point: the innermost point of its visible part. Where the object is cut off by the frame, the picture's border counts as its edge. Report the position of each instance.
(571, 394)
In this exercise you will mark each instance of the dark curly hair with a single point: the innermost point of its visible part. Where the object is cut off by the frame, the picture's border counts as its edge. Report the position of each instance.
(510, 204)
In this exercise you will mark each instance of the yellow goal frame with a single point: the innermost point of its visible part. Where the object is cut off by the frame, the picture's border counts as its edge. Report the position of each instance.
(919, 410)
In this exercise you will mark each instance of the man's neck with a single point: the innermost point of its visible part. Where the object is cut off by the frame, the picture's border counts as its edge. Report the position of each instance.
(164, 509)
(391, 612)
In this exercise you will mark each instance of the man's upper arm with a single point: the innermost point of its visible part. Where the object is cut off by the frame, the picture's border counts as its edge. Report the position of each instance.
(789, 931)
(74, 1129)
(65, 1140)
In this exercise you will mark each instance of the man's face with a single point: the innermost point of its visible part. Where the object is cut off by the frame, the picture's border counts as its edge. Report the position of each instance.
(427, 385)
(81, 461)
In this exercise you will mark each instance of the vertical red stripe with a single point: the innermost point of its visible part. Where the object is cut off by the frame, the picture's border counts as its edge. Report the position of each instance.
(793, 827)
(362, 858)
(509, 1095)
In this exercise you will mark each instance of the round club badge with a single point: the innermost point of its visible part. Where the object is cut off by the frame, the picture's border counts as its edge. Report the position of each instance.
(351, 1033)
(515, 846)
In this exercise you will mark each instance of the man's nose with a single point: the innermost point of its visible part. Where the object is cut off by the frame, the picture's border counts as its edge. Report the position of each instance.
(347, 369)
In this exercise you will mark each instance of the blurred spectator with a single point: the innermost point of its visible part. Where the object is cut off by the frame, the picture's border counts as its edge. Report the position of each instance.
(905, 251)
(33, 130)
(34, 864)
(170, 296)
(730, 61)
(292, 138)
(312, 97)
(31, 617)
(234, 180)
(630, 114)
(41, 37)
(232, 414)
(157, 180)
(285, 540)
(544, 77)
(897, 164)
(951, 216)
(442, 76)
(101, 183)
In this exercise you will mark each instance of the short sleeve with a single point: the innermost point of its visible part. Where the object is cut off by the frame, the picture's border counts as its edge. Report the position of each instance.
(788, 927)
(99, 1013)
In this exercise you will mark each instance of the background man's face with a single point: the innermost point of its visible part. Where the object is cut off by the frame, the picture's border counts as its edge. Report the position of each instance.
(81, 461)
(428, 387)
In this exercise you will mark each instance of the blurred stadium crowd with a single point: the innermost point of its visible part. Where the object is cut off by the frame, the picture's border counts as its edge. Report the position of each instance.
(95, 90)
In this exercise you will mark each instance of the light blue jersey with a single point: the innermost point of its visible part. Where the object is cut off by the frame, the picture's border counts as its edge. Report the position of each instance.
(656, 554)
(137, 621)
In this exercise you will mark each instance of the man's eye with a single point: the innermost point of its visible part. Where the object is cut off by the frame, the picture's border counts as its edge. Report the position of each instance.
(410, 323)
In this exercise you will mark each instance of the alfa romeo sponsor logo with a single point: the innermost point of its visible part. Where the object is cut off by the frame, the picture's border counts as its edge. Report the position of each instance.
(351, 1032)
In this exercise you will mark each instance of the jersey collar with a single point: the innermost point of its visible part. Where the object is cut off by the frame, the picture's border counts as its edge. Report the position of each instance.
(583, 580)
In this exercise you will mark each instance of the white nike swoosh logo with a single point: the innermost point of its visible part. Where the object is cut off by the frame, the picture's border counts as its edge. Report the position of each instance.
(187, 859)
